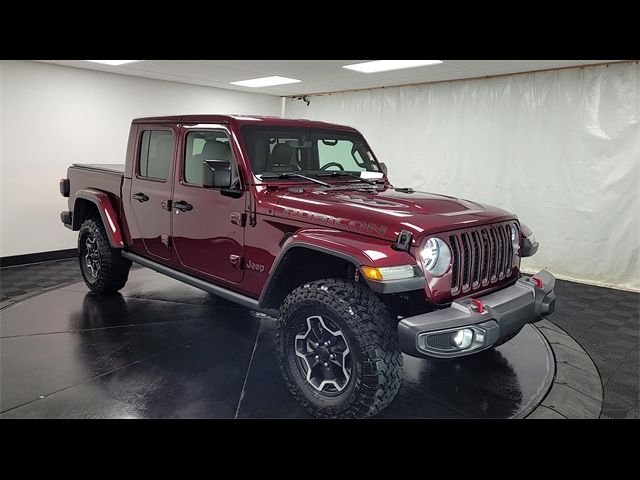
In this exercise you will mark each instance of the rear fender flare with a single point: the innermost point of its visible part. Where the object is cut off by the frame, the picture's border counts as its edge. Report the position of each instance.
(108, 213)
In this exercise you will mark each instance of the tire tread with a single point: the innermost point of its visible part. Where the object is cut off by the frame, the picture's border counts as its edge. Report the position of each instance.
(371, 323)
(114, 269)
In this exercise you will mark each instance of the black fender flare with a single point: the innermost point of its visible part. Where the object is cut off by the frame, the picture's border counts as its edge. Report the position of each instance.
(280, 264)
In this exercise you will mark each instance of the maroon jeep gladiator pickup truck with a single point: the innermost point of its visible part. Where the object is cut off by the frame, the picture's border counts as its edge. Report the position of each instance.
(298, 220)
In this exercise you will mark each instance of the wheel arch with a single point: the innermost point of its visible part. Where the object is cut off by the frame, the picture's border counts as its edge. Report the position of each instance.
(89, 202)
(318, 261)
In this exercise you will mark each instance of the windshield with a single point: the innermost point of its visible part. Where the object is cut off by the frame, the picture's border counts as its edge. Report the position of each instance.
(317, 152)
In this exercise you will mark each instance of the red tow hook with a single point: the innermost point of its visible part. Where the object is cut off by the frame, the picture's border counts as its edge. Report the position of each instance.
(538, 282)
(479, 305)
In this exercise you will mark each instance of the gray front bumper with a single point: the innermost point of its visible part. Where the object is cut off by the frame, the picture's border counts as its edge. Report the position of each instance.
(505, 312)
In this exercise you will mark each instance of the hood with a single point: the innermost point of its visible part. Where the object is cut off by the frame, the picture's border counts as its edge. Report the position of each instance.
(383, 214)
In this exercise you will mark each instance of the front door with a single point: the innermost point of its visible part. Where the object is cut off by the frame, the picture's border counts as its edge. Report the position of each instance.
(208, 226)
(151, 186)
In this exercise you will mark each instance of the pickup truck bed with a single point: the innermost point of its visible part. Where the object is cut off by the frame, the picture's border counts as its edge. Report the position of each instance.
(85, 179)
(117, 168)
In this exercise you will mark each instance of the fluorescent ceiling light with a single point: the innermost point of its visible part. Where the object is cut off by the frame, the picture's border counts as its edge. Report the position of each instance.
(114, 63)
(386, 65)
(265, 81)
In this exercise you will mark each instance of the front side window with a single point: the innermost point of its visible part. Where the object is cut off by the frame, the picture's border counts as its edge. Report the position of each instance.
(276, 150)
(207, 145)
(156, 151)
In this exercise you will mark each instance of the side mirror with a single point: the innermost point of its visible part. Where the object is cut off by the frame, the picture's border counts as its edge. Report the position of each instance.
(384, 169)
(216, 174)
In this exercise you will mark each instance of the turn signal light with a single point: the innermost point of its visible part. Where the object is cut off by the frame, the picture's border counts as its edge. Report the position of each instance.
(538, 282)
(388, 274)
(372, 273)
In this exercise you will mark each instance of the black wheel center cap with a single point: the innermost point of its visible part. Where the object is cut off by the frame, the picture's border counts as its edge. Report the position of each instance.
(324, 352)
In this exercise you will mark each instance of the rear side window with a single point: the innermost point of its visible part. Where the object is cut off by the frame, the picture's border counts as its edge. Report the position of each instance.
(156, 151)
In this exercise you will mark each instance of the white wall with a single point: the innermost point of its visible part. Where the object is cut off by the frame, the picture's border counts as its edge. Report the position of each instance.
(559, 149)
(52, 116)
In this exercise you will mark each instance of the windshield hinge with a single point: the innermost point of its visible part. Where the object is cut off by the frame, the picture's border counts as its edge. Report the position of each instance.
(251, 208)
(403, 242)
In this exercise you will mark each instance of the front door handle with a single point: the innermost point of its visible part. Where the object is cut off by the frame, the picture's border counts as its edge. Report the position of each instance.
(182, 206)
(141, 197)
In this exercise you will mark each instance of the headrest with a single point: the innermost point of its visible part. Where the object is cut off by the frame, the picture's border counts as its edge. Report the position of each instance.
(281, 154)
(215, 150)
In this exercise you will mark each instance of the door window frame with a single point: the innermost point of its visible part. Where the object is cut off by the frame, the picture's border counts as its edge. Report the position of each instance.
(136, 166)
(182, 153)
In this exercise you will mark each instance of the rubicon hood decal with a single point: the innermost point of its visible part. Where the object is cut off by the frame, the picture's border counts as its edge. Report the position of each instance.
(339, 222)
(383, 213)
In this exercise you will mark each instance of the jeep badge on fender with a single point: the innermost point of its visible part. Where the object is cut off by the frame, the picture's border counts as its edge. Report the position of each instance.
(355, 271)
(255, 266)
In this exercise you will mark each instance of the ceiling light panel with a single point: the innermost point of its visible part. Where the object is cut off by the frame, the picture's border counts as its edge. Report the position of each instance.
(114, 63)
(265, 82)
(387, 65)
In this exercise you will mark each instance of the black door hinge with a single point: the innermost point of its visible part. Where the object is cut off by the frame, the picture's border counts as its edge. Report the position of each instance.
(238, 218)
(236, 261)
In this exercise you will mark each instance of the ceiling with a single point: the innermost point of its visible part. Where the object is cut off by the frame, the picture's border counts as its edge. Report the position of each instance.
(317, 76)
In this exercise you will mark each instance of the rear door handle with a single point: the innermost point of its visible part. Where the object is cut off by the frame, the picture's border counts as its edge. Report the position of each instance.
(141, 197)
(182, 206)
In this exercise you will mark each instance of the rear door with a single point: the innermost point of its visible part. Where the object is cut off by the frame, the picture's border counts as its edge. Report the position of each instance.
(151, 187)
(208, 228)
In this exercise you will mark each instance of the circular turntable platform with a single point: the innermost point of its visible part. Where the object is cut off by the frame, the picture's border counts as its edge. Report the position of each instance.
(163, 349)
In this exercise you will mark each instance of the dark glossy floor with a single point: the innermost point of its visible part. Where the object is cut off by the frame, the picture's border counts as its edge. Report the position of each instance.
(165, 350)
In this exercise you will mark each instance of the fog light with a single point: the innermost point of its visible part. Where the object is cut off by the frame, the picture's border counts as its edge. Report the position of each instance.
(463, 338)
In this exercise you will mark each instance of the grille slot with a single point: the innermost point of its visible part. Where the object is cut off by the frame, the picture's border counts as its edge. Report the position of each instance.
(494, 253)
(480, 257)
(486, 248)
(475, 277)
(455, 263)
(465, 262)
(501, 245)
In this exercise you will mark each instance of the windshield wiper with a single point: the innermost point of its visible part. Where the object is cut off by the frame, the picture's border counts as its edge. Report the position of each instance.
(347, 174)
(293, 174)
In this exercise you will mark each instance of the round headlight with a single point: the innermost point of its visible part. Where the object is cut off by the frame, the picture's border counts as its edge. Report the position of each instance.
(436, 257)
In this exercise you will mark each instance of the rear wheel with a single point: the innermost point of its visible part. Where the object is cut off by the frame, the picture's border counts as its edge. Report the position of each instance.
(338, 350)
(103, 268)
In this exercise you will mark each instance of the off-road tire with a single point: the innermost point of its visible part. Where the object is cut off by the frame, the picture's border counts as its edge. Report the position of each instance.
(372, 338)
(114, 269)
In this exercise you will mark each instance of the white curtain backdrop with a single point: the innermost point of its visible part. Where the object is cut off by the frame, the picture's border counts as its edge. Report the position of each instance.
(560, 149)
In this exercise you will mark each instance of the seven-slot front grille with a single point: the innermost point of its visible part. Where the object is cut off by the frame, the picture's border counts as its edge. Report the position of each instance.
(480, 257)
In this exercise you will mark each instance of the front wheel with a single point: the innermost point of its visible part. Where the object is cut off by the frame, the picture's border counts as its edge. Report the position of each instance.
(338, 350)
